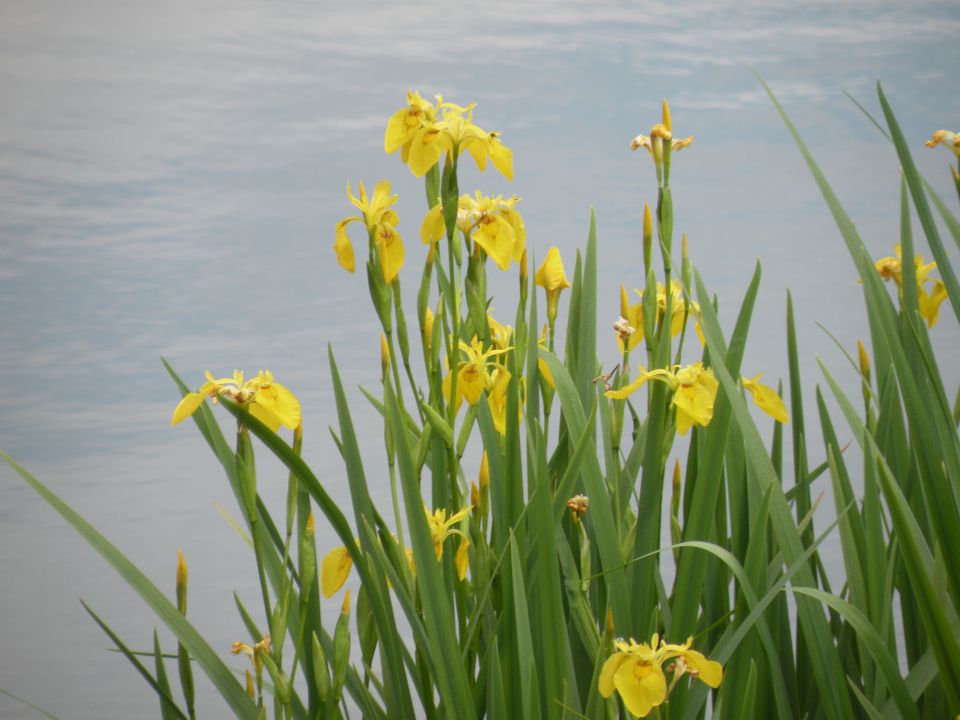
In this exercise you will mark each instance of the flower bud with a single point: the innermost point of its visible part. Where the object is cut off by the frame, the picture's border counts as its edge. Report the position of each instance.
(666, 116)
(647, 237)
(384, 356)
(181, 584)
(864, 361)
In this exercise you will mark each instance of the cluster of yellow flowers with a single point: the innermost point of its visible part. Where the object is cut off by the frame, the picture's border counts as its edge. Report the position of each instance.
(891, 268)
(635, 671)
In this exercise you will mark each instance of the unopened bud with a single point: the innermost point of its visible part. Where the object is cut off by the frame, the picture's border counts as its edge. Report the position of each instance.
(523, 266)
(864, 360)
(428, 328)
(384, 355)
(181, 584)
(647, 237)
(484, 477)
(345, 608)
(624, 302)
(667, 123)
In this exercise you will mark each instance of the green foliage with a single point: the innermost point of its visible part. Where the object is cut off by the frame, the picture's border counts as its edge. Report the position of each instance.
(522, 593)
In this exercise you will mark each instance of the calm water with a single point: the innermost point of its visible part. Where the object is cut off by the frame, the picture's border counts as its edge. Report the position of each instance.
(170, 175)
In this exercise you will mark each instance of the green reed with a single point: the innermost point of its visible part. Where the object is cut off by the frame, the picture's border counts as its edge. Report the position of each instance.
(533, 584)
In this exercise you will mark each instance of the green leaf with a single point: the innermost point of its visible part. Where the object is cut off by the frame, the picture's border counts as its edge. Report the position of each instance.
(222, 678)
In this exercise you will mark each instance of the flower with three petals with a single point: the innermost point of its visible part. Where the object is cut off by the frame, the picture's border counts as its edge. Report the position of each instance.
(268, 401)
(636, 672)
(381, 220)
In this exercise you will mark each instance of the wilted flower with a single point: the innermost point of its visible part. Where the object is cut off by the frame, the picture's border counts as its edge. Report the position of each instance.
(949, 140)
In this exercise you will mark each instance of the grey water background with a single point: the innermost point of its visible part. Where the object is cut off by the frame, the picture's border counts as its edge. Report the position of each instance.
(170, 176)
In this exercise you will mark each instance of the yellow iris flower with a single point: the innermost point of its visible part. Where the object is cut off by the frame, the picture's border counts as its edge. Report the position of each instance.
(766, 398)
(423, 139)
(473, 374)
(635, 670)
(381, 220)
(891, 268)
(441, 527)
(268, 401)
(694, 392)
(680, 309)
(491, 222)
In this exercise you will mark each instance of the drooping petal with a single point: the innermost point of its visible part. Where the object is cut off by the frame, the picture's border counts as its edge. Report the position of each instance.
(519, 230)
(334, 571)
(463, 558)
(265, 415)
(627, 390)
(187, 407)
(433, 227)
(610, 667)
(496, 236)
(929, 304)
(426, 148)
(391, 251)
(343, 247)
(766, 399)
(280, 403)
(497, 400)
(642, 686)
(471, 382)
(401, 128)
(710, 671)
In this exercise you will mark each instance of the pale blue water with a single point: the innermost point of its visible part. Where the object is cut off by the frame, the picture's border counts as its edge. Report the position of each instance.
(170, 175)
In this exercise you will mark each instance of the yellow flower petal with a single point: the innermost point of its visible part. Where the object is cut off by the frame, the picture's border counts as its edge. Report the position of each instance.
(187, 407)
(929, 304)
(334, 571)
(433, 227)
(766, 399)
(426, 148)
(497, 237)
(610, 667)
(343, 247)
(279, 402)
(710, 671)
(642, 685)
(391, 251)
(462, 558)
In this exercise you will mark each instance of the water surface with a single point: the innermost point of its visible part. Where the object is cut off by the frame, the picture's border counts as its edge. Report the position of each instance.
(170, 175)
